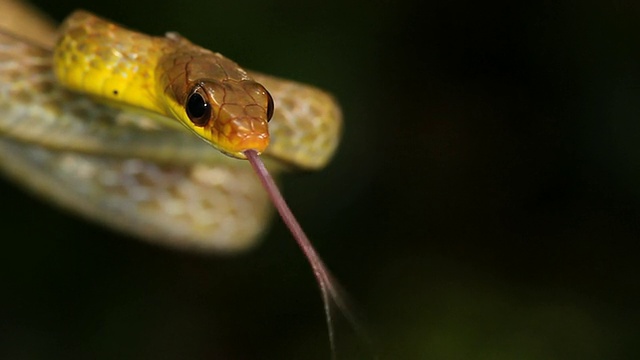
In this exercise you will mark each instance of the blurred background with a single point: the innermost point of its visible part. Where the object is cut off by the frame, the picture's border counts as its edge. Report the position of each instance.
(484, 203)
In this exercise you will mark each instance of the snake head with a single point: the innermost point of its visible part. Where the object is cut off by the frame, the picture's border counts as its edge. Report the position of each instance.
(216, 99)
(232, 115)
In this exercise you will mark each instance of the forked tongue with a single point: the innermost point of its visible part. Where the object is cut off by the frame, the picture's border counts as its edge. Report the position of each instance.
(329, 288)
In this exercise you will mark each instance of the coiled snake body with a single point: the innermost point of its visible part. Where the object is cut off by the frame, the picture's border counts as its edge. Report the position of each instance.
(130, 166)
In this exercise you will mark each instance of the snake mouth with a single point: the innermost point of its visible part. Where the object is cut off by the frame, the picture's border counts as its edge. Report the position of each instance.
(241, 134)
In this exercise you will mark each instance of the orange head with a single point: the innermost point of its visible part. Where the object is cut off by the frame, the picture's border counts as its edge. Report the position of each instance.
(232, 115)
(215, 98)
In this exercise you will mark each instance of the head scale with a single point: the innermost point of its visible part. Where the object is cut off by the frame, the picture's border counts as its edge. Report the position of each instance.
(232, 115)
(217, 100)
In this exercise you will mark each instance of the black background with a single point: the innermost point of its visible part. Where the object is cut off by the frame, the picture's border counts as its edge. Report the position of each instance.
(484, 203)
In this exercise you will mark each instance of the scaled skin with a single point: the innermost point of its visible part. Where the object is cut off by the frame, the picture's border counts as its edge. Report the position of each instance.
(159, 74)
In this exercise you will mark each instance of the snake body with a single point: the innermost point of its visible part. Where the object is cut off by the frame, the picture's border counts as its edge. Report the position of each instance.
(126, 169)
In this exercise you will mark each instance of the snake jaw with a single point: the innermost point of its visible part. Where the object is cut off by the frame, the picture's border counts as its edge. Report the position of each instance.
(243, 133)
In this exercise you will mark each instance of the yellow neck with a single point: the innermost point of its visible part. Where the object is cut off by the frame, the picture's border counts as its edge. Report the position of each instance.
(88, 59)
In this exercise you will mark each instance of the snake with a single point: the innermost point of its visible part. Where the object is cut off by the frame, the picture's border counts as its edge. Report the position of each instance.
(100, 119)
(147, 134)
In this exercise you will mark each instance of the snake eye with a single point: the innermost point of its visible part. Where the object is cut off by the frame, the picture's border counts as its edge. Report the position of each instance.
(270, 107)
(198, 109)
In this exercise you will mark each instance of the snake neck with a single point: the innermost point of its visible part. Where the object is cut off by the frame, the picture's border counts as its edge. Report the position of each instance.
(108, 62)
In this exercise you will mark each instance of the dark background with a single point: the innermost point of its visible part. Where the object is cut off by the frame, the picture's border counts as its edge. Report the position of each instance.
(484, 204)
